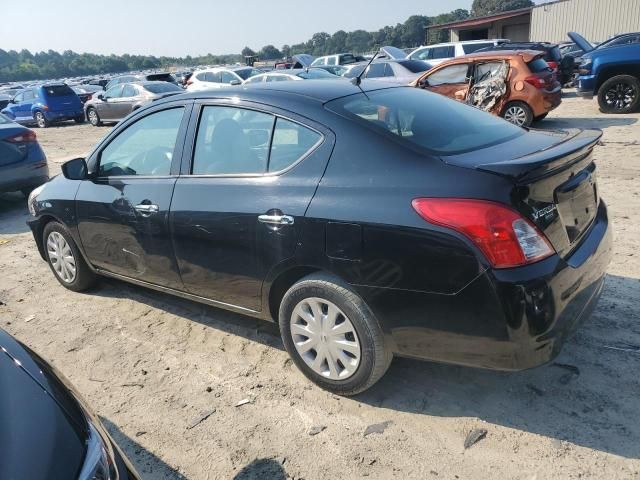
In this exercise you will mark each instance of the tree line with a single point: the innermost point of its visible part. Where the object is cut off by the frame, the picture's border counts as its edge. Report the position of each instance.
(23, 65)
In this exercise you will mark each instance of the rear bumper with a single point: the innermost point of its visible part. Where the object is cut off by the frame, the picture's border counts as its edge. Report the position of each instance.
(548, 100)
(60, 116)
(510, 319)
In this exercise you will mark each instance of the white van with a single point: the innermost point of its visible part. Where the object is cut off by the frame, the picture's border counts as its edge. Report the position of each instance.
(438, 53)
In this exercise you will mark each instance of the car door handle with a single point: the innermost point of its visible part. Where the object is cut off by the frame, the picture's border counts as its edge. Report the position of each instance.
(147, 208)
(276, 219)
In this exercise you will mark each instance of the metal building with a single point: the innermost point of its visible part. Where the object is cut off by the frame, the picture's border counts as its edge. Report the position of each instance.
(596, 20)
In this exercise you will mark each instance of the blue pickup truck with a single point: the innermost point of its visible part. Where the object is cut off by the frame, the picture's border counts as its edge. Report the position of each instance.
(611, 73)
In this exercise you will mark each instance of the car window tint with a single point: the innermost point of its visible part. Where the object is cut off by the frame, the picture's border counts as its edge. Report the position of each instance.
(227, 77)
(291, 142)
(114, 92)
(447, 75)
(426, 120)
(129, 91)
(144, 147)
(424, 54)
(539, 65)
(443, 52)
(472, 47)
(18, 98)
(331, 61)
(376, 70)
(232, 141)
(202, 76)
(28, 95)
(256, 79)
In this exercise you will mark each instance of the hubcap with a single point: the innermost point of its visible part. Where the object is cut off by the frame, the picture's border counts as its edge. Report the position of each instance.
(61, 257)
(40, 119)
(620, 96)
(516, 115)
(93, 117)
(325, 338)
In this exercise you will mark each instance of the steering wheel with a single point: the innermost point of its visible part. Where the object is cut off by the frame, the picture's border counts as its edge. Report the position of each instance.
(155, 161)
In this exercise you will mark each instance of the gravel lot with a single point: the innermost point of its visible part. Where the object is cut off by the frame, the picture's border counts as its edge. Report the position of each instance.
(166, 374)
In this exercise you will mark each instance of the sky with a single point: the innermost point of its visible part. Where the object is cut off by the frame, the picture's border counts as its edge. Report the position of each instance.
(194, 27)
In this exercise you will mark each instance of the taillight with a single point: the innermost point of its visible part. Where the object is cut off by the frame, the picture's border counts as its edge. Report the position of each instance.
(553, 65)
(536, 81)
(502, 234)
(25, 137)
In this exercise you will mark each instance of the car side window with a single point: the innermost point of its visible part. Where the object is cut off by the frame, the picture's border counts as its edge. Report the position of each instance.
(443, 52)
(425, 54)
(202, 76)
(18, 98)
(144, 148)
(227, 77)
(449, 75)
(28, 95)
(114, 92)
(129, 91)
(331, 61)
(376, 70)
(256, 79)
(232, 141)
(213, 77)
(291, 141)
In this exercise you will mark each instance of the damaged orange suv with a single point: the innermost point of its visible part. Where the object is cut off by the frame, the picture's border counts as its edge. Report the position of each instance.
(517, 85)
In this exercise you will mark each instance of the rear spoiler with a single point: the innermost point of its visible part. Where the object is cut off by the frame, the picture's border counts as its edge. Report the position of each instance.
(571, 149)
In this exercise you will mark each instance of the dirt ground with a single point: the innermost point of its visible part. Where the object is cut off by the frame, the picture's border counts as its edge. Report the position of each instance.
(166, 374)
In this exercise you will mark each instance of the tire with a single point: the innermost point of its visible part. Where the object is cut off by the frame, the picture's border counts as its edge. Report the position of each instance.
(56, 238)
(539, 118)
(41, 120)
(518, 113)
(343, 372)
(79, 119)
(620, 94)
(94, 118)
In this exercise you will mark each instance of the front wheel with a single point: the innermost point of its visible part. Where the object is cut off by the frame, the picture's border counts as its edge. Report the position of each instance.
(332, 335)
(41, 120)
(94, 118)
(65, 260)
(620, 94)
(518, 113)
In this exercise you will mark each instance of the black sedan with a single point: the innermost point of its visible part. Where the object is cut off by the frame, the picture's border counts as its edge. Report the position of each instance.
(46, 430)
(369, 221)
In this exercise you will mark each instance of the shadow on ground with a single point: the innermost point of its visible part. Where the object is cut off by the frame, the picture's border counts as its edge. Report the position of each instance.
(602, 123)
(262, 469)
(13, 213)
(588, 396)
(148, 466)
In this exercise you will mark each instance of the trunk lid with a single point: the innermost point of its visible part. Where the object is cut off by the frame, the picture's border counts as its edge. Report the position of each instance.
(554, 181)
(580, 41)
(60, 98)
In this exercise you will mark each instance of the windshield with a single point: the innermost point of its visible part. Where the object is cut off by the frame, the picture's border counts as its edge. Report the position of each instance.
(161, 87)
(473, 47)
(245, 73)
(316, 74)
(426, 120)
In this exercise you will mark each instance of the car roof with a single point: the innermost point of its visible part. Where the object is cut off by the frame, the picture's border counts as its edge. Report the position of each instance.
(527, 55)
(465, 42)
(316, 90)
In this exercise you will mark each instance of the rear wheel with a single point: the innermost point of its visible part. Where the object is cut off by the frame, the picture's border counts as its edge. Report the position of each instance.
(332, 335)
(65, 260)
(41, 120)
(93, 117)
(619, 94)
(518, 113)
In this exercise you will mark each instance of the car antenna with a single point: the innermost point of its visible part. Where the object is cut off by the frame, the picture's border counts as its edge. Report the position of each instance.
(357, 80)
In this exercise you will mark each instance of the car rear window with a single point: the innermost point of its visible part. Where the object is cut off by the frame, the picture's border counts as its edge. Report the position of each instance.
(539, 65)
(58, 91)
(162, 88)
(425, 120)
(316, 74)
(245, 73)
(161, 77)
(415, 66)
(554, 55)
(472, 47)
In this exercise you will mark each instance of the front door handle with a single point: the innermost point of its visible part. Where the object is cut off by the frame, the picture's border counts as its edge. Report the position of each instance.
(147, 209)
(276, 219)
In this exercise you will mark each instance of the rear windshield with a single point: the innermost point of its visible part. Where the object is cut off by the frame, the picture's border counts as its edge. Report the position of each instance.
(247, 72)
(162, 88)
(161, 77)
(58, 91)
(554, 55)
(473, 47)
(347, 59)
(539, 65)
(426, 120)
(415, 66)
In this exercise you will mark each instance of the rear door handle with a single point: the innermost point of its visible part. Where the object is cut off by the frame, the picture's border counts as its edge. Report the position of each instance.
(276, 219)
(147, 209)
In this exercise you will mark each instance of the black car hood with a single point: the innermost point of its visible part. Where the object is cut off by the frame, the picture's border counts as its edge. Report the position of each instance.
(43, 431)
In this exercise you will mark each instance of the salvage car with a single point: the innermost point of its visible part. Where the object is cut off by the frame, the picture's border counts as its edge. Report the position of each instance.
(120, 100)
(219, 77)
(368, 220)
(517, 85)
(23, 164)
(47, 430)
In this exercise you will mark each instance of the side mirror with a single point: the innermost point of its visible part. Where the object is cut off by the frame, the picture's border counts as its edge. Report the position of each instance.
(423, 83)
(235, 82)
(101, 97)
(75, 169)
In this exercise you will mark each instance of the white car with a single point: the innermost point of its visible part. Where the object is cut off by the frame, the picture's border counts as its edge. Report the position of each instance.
(291, 74)
(219, 77)
(338, 59)
(438, 53)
